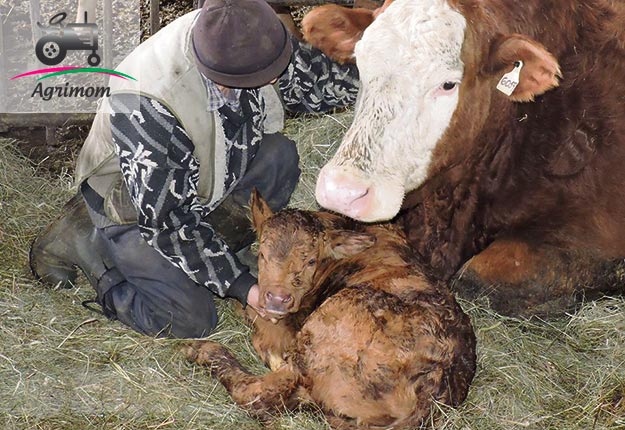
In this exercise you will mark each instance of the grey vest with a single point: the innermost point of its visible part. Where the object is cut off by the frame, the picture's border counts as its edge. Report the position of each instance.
(165, 69)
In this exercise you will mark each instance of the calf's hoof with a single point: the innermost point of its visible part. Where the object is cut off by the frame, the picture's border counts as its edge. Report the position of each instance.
(204, 352)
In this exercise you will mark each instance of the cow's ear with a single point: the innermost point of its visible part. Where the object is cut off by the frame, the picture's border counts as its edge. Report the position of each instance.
(345, 243)
(260, 210)
(539, 72)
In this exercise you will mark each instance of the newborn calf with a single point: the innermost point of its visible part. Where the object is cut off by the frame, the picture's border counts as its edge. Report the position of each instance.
(380, 342)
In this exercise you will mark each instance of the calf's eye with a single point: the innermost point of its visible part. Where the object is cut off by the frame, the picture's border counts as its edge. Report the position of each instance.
(312, 262)
(448, 86)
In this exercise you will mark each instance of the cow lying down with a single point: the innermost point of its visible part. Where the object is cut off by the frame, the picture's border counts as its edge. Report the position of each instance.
(493, 131)
(361, 332)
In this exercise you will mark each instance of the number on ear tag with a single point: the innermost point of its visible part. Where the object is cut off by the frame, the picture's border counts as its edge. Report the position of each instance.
(510, 80)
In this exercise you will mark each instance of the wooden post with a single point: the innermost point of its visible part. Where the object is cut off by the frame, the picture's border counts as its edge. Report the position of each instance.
(155, 21)
(51, 136)
(108, 34)
(35, 16)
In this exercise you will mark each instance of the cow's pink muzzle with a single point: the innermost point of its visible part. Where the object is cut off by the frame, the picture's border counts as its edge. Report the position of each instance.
(343, 190)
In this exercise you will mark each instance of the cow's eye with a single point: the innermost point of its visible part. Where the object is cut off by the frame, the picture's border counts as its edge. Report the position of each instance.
(445, 89)
(312, 262)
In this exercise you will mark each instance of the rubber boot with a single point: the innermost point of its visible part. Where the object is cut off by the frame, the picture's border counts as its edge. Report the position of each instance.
(69, 243)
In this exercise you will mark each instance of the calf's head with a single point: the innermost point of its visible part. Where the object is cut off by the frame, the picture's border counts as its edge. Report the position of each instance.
(429, 71)
(293, 246)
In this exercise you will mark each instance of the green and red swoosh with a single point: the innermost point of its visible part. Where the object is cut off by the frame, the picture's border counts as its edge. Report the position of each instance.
(57, 71)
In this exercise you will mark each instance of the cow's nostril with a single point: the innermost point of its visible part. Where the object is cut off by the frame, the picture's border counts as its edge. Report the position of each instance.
(287, 299)
(347, 191)
(268, 295)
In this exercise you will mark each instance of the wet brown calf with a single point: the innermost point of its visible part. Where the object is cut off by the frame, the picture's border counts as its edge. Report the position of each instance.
(377, 352)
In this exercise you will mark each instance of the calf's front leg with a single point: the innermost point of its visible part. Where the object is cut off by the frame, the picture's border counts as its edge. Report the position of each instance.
(262, 395)
(271, 340)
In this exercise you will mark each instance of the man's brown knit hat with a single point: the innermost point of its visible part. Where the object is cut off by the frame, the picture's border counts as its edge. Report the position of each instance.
(240, 43)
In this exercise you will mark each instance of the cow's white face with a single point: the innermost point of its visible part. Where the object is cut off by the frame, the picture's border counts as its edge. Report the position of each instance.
(410, 70)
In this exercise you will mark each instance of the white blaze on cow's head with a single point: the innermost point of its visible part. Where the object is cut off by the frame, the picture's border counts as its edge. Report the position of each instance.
(411, 66)
(410, 69)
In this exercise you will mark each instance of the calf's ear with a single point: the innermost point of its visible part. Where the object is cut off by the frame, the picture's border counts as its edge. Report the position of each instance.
(260, 210)
(345, 243)
(540, 70)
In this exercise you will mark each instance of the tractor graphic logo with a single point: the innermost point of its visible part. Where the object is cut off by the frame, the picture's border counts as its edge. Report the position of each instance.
(58, 38)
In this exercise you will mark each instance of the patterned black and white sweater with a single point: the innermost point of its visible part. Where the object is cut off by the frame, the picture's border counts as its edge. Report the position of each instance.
(161, 173)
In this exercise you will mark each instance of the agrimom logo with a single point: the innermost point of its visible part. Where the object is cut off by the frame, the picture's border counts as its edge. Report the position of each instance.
(70, 91)
(73, 52)
(58, 38)
(52, 48)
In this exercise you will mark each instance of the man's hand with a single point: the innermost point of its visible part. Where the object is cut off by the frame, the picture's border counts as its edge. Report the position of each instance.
(253, 300)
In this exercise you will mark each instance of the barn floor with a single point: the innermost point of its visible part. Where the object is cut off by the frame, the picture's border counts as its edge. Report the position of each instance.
(64, 367)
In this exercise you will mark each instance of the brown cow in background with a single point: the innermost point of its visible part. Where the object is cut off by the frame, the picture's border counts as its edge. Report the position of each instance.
(336, 29)
(361, 331)
(516, 196)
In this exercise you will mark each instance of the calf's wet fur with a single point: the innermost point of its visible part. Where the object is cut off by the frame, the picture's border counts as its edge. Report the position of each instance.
(361, 331)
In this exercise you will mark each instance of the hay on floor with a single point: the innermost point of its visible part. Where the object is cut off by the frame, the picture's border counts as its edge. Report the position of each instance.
(63, 367)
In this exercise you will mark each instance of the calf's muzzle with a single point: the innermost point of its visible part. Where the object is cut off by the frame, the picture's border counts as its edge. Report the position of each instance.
(278, 301)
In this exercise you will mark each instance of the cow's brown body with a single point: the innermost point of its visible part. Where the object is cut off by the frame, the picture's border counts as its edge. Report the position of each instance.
(534, 192)
(380, 348)
(524, 203)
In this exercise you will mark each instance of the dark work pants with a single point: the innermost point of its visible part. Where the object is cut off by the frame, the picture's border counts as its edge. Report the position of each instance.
(148, 293)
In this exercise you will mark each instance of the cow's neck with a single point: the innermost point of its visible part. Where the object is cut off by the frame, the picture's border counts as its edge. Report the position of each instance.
(469, 200)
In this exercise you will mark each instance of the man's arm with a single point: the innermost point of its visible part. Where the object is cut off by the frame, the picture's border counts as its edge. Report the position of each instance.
(315, 83)
(157, 163)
